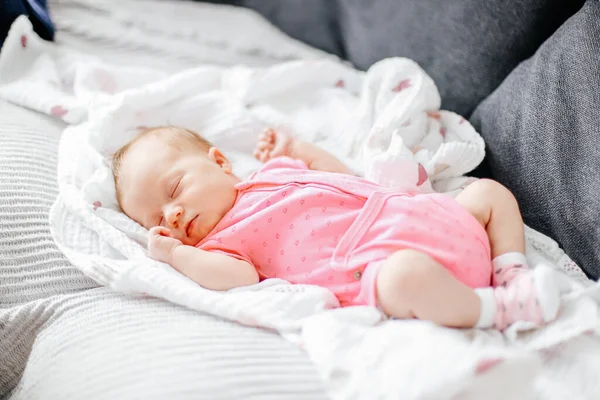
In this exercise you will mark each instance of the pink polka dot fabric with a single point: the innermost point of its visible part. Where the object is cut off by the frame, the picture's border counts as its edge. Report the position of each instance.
(333, 230)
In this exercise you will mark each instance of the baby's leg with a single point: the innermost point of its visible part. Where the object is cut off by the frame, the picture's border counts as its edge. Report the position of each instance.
(411, 284)
(497, 210)
(518, 289)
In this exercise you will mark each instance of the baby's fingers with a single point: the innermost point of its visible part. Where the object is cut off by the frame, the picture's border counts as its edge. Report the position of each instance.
(281, 147)
(258, 154)
(163, 241)
(263, 137)
(160, 231)
(264, 156)
(263, 145)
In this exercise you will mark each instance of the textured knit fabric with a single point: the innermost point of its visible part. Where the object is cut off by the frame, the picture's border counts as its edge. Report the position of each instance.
(467, 47)
(33, 272)
(541, 130)
(104, 345)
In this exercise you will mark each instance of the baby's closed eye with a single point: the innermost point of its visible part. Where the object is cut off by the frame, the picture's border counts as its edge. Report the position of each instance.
(174, 190)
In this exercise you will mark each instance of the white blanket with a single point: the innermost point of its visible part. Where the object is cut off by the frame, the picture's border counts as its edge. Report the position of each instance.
(385, 123)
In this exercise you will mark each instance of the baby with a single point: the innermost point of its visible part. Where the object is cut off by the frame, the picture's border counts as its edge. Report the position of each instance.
(303, 217)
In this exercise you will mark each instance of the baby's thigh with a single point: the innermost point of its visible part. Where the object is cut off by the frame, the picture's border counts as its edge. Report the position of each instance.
(406, 278)
(405, 275)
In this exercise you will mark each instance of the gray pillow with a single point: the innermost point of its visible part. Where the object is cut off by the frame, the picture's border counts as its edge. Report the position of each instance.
(467, 46)
(542, 129)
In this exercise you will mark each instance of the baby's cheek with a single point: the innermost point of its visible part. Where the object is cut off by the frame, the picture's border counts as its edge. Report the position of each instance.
(176, 234)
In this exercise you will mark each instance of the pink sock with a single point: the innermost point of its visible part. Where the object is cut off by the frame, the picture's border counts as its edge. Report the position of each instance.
(520, 294)
(507, 266)
(517, 300)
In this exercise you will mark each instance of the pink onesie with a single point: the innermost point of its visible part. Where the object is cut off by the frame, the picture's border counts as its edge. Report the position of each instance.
(335, 230)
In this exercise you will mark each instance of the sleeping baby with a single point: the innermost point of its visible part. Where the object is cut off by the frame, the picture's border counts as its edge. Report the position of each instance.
(303, 217)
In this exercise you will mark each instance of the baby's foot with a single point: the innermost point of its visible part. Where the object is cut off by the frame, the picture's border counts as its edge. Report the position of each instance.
(530, 295)
(506, 267)
(271, 144)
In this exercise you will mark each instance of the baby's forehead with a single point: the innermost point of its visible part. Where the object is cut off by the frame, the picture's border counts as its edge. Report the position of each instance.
(143, 162)
(153, 154)
(155, 148)
(160, 144)
(150, 146)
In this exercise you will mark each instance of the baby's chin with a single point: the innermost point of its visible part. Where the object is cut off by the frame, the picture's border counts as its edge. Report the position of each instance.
(199, 234)
(191, 241)
(202, 229)
(194, 239)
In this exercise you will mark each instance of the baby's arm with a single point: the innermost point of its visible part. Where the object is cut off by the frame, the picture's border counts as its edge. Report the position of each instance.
(273, 144)
(210, 270)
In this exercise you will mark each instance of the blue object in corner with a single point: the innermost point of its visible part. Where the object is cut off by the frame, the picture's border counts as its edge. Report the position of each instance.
(36, 10)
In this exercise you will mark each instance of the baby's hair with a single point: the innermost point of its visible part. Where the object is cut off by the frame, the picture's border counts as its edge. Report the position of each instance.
(175, 136)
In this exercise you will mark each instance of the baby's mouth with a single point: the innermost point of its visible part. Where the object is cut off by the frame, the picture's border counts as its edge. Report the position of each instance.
(190, 226)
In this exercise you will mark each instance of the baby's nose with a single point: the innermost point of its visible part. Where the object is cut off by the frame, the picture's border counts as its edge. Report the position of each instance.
(173, 216)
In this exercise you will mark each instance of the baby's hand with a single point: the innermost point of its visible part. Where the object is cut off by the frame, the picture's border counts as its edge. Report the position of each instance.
(271, 144)
(161, 244)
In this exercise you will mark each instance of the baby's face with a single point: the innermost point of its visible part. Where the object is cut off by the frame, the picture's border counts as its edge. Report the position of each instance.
(187, 191)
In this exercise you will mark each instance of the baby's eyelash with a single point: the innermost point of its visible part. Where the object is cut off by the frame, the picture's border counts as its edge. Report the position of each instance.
(160, 221)
(175, 186)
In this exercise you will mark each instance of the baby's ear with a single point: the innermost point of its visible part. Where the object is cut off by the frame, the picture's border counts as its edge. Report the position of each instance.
(219, 158)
